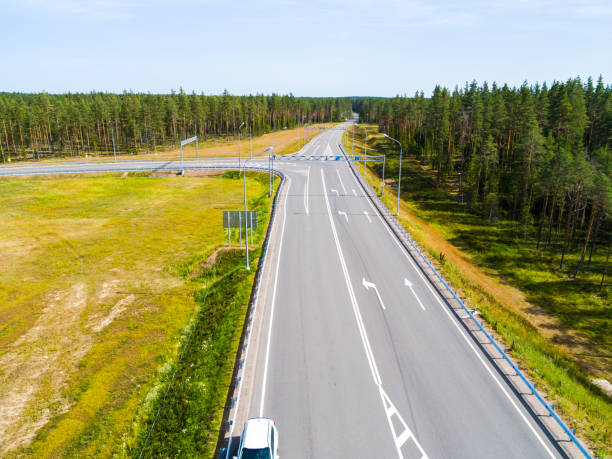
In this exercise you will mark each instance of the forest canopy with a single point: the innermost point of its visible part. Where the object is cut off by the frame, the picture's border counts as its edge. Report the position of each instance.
(535, 154)
(42, 125)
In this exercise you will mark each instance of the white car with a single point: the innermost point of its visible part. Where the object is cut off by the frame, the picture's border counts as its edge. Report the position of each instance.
(259, 440)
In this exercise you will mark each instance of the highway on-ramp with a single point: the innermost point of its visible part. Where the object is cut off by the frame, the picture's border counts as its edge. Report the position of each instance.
(356, 354)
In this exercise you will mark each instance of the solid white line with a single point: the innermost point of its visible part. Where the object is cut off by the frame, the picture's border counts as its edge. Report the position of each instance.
(349, 286)
(453, 320)
(340, 178)
(280, 249)
(366, 214)
(364, 336)
(306, 191)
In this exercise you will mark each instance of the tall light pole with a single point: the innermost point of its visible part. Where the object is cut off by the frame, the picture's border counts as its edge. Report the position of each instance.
(382, 185)
(239, 128)
(114, 150)
(251, 139)
(365, 150)
(399, 179)
(246, 227)
(269, 172)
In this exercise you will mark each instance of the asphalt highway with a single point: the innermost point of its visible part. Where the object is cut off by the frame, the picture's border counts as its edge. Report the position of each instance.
(358, 355)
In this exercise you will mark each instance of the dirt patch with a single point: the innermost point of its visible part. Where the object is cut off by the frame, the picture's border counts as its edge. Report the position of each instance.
(212, 259)
(203, 173)
(97, 324)
(35, 370)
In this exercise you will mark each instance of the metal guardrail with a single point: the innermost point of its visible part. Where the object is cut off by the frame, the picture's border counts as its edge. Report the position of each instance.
(169, 167)
(397, 227)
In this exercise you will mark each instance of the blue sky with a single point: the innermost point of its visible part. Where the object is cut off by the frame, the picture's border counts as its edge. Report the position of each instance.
(309, 48)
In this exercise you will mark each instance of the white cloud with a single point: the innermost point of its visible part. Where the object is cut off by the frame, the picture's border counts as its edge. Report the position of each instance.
(91, 9)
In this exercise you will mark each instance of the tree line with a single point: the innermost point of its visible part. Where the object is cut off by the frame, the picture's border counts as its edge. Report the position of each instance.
(42, 125)
(538, 155)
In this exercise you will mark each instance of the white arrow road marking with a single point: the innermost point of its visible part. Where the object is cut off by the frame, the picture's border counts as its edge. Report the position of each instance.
(341, 182)
(336, 191)
(468, 341)
(349, 285)
(343, 213)
(408, 284)
(367, 215)
(390, 410)
(354, 192)
(368, 286)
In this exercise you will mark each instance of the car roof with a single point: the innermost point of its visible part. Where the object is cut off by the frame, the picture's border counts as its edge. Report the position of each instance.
(256, 433)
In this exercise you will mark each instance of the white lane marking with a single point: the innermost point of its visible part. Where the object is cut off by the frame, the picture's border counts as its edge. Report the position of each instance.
(306, 191)
(349, 286)
(364, 336)
(336, 191)
(368, 286)
(341, 182)
(402, 438)
(367, 215)
(267, 358)
(408, 284)
(453, 320)
(354, 192)
(341, 212)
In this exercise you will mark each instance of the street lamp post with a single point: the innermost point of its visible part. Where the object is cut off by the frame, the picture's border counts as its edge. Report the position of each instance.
(269, 172)
(251, 139)
(239, 128)
(382, 185)
(246, 221)
(399, 179)
(365, 150)
(114, 150)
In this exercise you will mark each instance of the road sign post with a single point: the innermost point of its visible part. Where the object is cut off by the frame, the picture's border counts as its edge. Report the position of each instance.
(237, 219)
(185, 142)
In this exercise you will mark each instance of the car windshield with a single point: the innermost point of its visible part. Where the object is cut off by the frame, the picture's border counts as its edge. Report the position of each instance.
(262, 453)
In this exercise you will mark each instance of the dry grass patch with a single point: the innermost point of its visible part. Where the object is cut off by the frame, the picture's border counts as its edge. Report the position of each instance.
(91, 303)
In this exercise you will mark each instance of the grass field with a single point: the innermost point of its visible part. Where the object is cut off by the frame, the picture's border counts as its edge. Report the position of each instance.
(96, 292)
(558, 329)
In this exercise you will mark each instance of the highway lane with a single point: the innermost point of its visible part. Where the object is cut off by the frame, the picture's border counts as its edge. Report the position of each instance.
(353, 370)
(358, 356)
